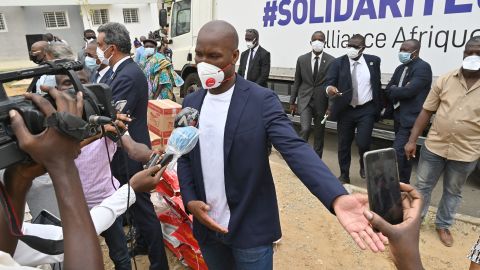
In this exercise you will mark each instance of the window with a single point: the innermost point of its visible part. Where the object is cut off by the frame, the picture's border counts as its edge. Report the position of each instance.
(181, 18)
(130, 15)
(3, 24)
(99, 16)
(56, 19)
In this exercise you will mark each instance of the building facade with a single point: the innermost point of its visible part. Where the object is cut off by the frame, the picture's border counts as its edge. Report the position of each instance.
(23, 21)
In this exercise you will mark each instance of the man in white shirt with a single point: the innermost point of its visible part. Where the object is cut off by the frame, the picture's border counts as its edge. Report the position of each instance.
(353, 83)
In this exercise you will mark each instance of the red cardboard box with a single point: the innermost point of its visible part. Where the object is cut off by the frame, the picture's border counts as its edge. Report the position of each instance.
(161, 116)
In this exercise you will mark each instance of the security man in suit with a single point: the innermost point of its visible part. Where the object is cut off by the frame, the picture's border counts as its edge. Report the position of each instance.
(307, 88)
(353, 82)
(254, 62)
(129, 83)
(407, 91)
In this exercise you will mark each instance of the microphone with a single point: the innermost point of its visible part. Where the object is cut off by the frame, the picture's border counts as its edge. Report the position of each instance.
(187, 117)
(99, 120)
(181, 142)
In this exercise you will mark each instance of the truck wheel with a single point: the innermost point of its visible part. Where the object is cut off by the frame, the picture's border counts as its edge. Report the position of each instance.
(191, 84)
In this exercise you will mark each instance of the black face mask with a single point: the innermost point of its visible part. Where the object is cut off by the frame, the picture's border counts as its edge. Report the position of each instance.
(37, 61)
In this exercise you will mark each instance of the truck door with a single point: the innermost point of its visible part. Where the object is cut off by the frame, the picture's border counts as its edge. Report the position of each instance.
(181, 33)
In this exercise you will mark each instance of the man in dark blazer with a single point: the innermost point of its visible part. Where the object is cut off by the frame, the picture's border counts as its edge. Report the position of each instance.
(407, 90)
(226, 181)
(129, 83)
(353, 83)
(254, 62)
(308, 90)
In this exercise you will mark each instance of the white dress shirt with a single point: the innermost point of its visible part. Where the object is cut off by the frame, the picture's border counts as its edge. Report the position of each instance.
(248, 59)
(363, 78)
(119, 63)
(101, 73)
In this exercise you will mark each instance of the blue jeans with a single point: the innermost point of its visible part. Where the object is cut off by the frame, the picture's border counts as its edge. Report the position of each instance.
(117, 245)
(219, 256)
(455, 174)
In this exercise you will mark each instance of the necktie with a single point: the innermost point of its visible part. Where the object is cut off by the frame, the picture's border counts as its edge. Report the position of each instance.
(250, 61)
(95, 79)
(315, 69)
(400, 84)
(354, 101)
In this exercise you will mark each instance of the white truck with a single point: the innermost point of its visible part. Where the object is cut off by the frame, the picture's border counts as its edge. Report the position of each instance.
(286, 26)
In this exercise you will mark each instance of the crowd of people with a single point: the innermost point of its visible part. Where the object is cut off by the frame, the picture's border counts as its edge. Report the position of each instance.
(226, 181)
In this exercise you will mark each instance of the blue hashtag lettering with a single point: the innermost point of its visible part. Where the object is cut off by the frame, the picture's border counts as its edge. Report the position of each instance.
(270, 13)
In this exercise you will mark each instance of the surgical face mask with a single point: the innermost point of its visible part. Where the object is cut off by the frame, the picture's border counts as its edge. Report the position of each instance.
(148, 51)
(405, 57)
(353, 53)
(251, 44)
(317, 46)
(211, 76)
(101, 56)
(471, 62)
(91, 63)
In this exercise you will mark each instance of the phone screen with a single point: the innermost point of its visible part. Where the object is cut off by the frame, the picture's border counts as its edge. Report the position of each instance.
(47, 218)
(383, 185)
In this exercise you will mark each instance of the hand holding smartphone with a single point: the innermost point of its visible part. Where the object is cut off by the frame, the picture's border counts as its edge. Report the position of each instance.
(383, 184)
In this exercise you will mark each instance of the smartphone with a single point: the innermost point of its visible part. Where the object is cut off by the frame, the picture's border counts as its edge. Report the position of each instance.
(383, 184)
(47, 218)
(120, 105)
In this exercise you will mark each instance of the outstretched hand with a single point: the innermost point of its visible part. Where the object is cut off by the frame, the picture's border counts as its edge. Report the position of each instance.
(349, 210)
(403, 237)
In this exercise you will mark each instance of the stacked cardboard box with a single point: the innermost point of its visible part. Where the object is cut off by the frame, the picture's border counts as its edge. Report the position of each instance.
(160, 120)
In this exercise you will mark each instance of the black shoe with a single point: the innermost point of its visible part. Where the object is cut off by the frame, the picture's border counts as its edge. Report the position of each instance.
(362, 173)
(344, 179)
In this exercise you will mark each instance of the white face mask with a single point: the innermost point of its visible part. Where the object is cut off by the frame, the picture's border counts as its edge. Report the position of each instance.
(317, 46)
(353, 53)
(250, 44)
(211, 76)
(471, 62)
(101, 56)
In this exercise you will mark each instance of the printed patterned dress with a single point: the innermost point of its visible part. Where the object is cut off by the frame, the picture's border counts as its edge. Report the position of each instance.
(161, 76)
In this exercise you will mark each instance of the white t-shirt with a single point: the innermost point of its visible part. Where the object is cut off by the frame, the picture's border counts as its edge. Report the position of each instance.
(212, 121)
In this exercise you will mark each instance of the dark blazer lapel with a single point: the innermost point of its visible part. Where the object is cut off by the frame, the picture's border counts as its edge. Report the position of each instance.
(347, 73)
(120, 67)
(307, 63)
(235, 111)
(322, 68)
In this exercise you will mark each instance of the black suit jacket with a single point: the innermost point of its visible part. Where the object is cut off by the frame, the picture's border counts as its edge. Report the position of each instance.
(260, 67)
(412, 95)
(304, 87)
(339, 75)
(129, 83)
(254, 117)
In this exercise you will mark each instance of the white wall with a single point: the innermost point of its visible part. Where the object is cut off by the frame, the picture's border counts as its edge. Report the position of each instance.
(147, 14)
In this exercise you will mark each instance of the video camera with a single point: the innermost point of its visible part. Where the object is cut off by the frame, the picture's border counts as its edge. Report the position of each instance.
(97, 105)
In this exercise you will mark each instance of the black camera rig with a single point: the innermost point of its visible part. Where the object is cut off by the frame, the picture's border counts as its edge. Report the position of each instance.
(97, 102)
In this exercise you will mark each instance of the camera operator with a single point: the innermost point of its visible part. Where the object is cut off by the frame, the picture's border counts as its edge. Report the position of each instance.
(55, 152)
(96, 176)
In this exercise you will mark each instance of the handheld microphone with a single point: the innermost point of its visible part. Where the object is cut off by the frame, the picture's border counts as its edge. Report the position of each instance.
(181, 142)
(99, 120)
(187, 117)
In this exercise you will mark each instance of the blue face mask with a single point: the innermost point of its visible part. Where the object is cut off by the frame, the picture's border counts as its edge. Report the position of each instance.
(91, 63)
(148, 51)
(405, 57)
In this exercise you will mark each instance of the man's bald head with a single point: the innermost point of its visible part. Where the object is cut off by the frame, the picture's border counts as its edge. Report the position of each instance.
(219, 32)
(217, 44)
(39, 45)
